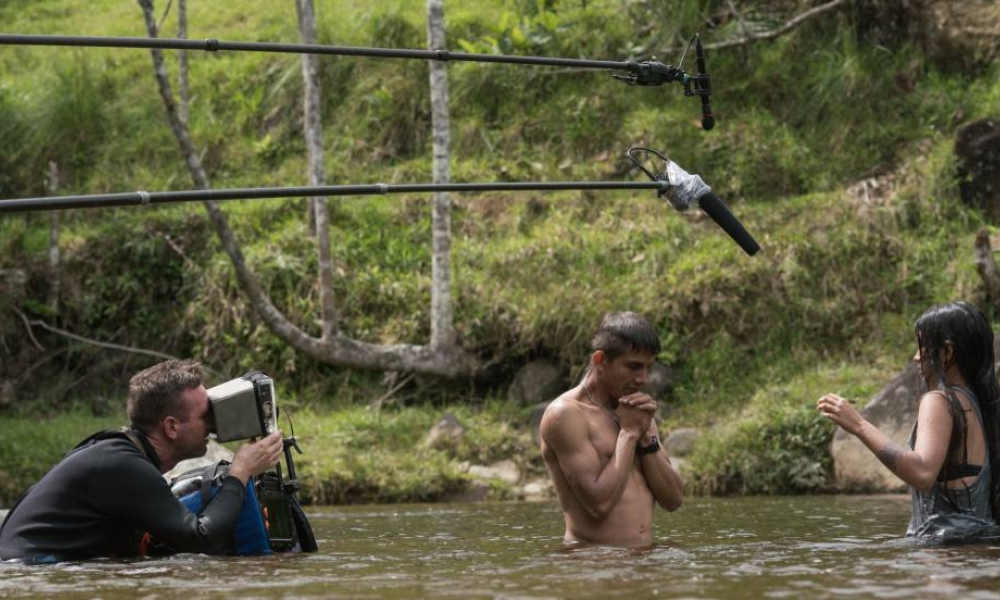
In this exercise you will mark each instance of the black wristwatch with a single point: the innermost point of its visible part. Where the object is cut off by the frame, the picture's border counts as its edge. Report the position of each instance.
(653, 447)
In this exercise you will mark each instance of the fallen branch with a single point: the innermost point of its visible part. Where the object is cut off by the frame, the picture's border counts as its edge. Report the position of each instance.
(377, 404)
(27, 326)
(750, 37)
(80, 338)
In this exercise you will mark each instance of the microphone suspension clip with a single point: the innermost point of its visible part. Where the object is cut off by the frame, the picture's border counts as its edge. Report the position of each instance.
(651, 73)
(683, 190)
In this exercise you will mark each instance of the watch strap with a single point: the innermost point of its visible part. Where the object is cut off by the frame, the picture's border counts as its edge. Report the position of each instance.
(651, 448)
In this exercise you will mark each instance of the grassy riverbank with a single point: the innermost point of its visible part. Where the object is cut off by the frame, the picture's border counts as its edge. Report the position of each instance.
(351, 456)
(833, 146)
(360, 455)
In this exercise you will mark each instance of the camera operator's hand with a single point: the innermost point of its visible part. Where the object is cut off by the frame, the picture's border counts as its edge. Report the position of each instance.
(255, 457)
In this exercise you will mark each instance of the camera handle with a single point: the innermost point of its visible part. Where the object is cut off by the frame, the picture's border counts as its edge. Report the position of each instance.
(292, 484)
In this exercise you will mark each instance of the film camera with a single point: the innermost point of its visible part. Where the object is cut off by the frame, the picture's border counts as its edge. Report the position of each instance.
(244, 408)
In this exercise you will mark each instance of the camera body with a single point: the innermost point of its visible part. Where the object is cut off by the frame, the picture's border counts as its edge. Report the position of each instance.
(277, 506)
(243, 408)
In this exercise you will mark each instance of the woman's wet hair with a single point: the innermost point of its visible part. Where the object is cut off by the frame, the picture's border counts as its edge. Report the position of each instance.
(621, 332)
(155, 393)
(967, 330)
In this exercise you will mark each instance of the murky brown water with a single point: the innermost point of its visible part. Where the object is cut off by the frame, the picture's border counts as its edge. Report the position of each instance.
(787, 547)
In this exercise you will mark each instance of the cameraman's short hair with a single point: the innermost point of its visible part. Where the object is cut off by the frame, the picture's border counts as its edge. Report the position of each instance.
(155, 393)
(621, 332)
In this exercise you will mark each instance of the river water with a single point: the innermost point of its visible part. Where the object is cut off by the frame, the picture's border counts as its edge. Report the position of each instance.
(768, 547)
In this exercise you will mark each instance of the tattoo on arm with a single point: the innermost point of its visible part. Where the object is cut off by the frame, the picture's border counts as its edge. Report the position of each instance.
(889, 454)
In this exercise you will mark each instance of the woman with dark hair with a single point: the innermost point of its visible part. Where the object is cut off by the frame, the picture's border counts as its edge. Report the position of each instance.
(955, 443)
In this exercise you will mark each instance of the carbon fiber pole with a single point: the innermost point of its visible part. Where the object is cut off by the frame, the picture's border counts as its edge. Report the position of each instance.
(142, 198)
(214, 45)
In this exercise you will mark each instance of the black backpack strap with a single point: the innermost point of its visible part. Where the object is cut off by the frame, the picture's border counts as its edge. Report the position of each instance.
(134, 438)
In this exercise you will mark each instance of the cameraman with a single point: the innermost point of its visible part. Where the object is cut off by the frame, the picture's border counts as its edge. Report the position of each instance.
(108, 495)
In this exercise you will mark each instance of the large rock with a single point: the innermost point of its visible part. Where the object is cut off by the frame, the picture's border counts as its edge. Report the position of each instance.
(892, 23)
(535, 422)
(445, 433)
(538, 381)
(956, 35)
(481, 485)
(504, 470)
(963, 35)
(893, 411)
(659, 382)
(538, 490)
(681, 441)
(977, 148)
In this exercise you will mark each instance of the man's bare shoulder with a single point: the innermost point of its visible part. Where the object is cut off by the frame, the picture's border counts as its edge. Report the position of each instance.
(563, 406)
(562, 414)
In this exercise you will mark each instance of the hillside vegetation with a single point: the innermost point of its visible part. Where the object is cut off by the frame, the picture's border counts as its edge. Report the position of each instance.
(828, 303)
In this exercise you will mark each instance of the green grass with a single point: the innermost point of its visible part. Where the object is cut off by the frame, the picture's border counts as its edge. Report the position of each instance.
(829, 301)
(350, 456)
(31, 446)
(359, 455)
(777, 443)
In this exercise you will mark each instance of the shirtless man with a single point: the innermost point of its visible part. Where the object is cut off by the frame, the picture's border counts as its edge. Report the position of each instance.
(601, 445)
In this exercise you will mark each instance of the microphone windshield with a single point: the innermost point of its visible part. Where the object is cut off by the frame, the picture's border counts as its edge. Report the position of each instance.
(714, 208)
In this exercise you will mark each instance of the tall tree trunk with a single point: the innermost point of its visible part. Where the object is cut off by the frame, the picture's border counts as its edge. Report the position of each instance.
(55, 266)
(338, 350)
(313, 127)
(442, 316)
(183, 87)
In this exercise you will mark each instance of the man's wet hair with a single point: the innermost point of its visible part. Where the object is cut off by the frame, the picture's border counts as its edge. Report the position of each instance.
(155, 393)
(621, 332)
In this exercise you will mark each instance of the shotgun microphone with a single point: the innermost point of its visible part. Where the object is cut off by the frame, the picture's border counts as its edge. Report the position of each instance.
(687, 190)
(703, 87)
(715, 209)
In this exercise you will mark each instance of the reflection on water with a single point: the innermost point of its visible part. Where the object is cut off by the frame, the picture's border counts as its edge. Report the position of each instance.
(790, 547)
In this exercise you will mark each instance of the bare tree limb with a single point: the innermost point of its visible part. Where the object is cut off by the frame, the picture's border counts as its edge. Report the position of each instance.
(750, 37)
(80, 338)
(377, 403)
(27, 326)
(743, 24)
(55, 261)
(166, 12)
(987, 267)
(183, 87)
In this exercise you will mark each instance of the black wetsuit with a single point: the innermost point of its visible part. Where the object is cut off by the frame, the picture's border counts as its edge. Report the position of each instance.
(102, 498)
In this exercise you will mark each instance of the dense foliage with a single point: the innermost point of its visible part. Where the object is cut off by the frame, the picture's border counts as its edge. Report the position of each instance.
(802, 118)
